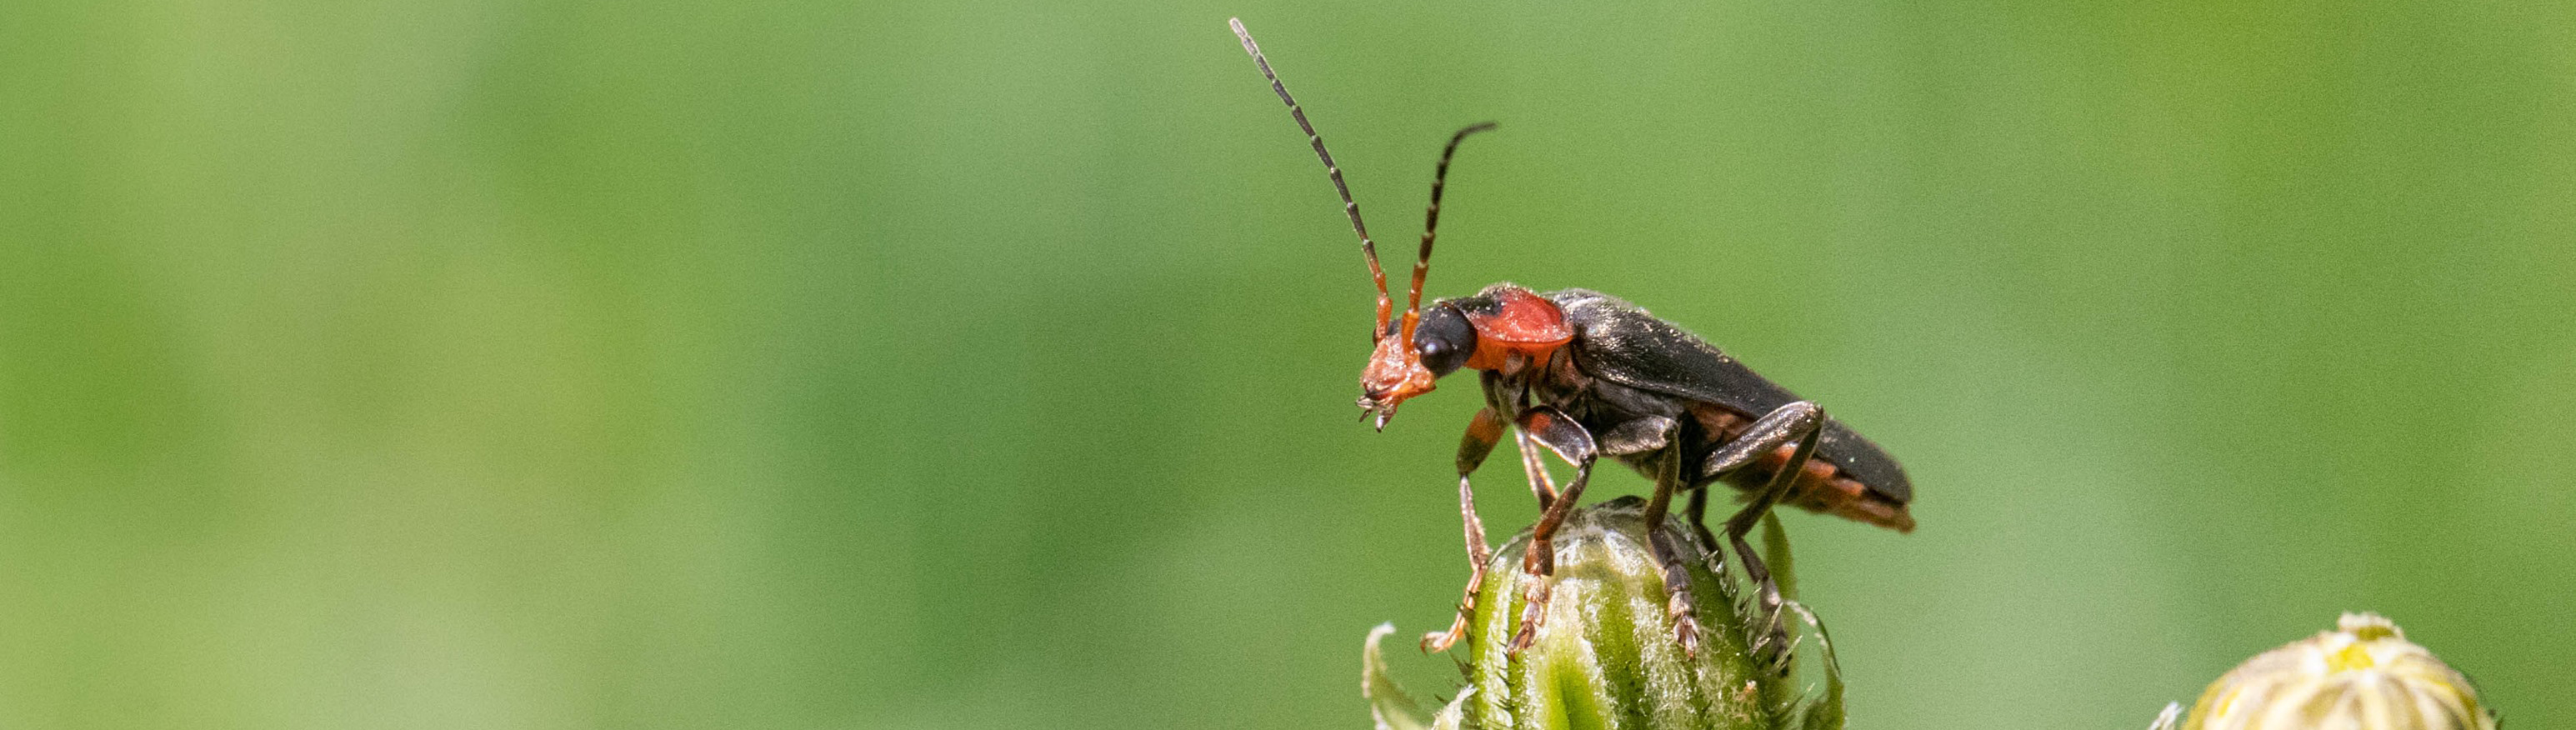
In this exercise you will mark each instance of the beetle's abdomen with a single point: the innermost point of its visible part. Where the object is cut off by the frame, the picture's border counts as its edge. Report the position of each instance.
(1823, 486)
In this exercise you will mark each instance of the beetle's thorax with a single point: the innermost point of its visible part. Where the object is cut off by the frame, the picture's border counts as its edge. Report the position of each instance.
(1513, 322)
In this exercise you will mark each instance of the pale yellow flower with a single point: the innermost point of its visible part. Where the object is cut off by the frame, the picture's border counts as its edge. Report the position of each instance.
(2364, 675)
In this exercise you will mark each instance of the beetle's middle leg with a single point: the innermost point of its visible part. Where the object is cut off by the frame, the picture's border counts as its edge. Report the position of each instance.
(1561, 434)
(1798, 423)
(1482, 434)
(1541, 485)
(1499, 394)
(1662, 434)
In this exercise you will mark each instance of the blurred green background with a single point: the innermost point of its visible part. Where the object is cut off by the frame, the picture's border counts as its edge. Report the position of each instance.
(974, 365)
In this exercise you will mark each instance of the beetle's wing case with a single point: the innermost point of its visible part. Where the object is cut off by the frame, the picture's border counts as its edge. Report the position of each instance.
(1618, 342)
(1630, 347)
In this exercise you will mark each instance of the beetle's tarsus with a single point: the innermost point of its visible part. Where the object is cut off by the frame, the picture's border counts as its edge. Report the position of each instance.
(1773, 648)
(1678, 604)
(1686, 632)
(1533, 613)
(1442, 640)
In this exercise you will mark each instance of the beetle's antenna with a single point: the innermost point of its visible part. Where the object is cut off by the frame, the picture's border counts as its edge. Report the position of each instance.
(1385, 304)
(1431, 228)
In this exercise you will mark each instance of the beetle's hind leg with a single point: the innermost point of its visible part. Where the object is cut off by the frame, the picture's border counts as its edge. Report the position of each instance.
(1797, 423)
(1482, 433)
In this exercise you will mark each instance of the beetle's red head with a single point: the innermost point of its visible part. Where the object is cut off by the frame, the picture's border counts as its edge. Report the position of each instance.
(1405, 366)
(1394, 373)
(1397, 369)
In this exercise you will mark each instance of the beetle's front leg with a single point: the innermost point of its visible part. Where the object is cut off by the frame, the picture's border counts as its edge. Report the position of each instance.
(1482, 434)
(1561, 434)
(1797, 423)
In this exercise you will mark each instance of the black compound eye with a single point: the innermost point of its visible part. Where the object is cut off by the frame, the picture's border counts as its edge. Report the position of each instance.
(1444, 339)
(1434, 351)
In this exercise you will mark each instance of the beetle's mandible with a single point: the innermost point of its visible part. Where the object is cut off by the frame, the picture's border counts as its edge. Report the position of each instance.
(1586, 375)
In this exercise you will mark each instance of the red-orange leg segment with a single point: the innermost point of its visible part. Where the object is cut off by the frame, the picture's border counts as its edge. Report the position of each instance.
(1483, 433)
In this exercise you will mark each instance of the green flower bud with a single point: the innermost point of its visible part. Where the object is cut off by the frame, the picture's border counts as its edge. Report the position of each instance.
(2364, 675)
(1604, 656)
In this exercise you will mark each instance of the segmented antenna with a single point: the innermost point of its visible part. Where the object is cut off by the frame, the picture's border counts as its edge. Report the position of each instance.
(1385, 304)
(1431, 228)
